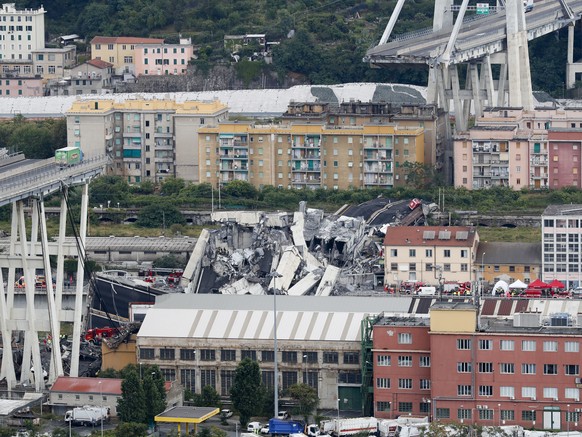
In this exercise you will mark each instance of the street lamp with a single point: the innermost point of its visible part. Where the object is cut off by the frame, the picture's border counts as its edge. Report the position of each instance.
(275, 275)
(304, 369)
(499, 408)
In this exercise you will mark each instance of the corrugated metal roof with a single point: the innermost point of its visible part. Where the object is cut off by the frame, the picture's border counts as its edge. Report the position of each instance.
(301, 318)
(67, 384)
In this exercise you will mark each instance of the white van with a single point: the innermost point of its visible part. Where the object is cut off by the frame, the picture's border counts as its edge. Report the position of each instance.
(254, 427)
(427, 291)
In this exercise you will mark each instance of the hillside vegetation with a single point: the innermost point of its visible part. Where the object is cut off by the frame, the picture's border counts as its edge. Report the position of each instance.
(330, 36)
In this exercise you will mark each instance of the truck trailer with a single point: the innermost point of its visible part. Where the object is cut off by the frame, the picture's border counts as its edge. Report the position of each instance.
(87, 415)
(285, 427)
(68, 156)
(345, 427)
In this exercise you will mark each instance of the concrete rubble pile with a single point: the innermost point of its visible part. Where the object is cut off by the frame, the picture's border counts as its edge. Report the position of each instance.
(297, 254)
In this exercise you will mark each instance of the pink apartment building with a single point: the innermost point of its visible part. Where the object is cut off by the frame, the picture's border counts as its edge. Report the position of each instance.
(21, 86)
(163, 59)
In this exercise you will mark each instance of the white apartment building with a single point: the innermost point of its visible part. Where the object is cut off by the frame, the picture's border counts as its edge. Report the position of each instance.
(21, 32)
(561, 244)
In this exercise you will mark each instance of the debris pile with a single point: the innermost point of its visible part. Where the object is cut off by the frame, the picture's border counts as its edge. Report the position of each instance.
(299, 254)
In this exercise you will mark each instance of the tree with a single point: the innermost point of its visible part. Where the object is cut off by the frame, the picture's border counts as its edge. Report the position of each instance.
(131, 406)
(159, 215)
(247, 391)
(208, 398)
(306, 398)
(172, 186)
(108, 190)
(170, 262)
(109, 373)
(155, 393)
(131, 429)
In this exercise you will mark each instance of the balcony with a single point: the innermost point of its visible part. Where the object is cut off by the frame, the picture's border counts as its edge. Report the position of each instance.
(378, 156)
(306, 166)
(240, 156)
(377, 145)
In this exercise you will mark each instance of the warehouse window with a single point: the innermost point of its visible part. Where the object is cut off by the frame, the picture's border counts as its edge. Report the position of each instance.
(289, 379)
(227, 355)
(268, 356)
(252, 355)
(208, 378)
(188, 354)
(330, 357)
(167, 354)
(351, 357)
(289, 357)
(146, 354)
(268, 378)
(188, 379)
(226, 380)
(207, 354)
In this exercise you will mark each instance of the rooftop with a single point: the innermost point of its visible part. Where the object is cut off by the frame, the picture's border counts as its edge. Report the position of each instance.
(569, 210)
(441, 236)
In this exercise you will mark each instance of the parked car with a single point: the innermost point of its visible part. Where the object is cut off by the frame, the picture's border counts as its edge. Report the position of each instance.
(577, 292)
(254, 427)
(265, 429)
(284, 415)
(225, 414)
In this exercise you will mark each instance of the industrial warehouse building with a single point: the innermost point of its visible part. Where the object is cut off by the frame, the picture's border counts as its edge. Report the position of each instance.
(199, 339)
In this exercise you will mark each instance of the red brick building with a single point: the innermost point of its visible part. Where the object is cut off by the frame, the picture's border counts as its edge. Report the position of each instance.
(565, 153)
(457, 367)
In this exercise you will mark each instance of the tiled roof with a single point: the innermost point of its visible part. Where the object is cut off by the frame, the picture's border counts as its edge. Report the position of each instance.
(510, 253)
(99, 63)
(124, 40)
(68, 384)
(441, 236)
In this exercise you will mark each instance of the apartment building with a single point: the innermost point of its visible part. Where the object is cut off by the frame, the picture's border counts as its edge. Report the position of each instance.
(512, 147)
(21, 32)
(156, 59)
(146, 139)
(430, 254)
(90, 77)
(308, 155)
(52, 63)
(21, 86)
(457, 366)
(561, 244)
(119, 51)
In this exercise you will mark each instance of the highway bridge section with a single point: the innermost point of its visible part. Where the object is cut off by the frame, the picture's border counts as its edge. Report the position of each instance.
(30, 181)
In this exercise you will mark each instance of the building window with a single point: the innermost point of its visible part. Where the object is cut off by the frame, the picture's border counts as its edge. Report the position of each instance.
(485, 345)
(268, 356)
(485, 390)
(226, 380)
(443, 413)
(528, 392)
(447, 253)
(529, 415)
(228, 355)
(550, 346)
(463, 344)
(168, 374)
(207, 354)
(310, 357)
(424, 407)
(507, 392)
(383, 360)
(571, 369)
(412, 253)
(506, 345)
(571, 346)
(351, 358)
(188, 379)
(405, 383)
(425, 384)
(424, 361)
(507, 367)
(350, 377)
(268, 378)
(289, 357)
(485, 414)
(404, 338)
(289, 379)
(405, 407)
(528, 345)
(485, 367)
(252, 355)
(528, 369)
(188, 354)
(464, 413)
(208, 378)
(551, 393)
(382, 382)
(464, 367)
(405, 360)
(550, 369)
(572, 393)
(382, 406)
(146, 354)
(464, 390)
(330, 357)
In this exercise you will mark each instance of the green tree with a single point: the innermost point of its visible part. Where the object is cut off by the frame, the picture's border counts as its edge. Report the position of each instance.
(159, 215)
(306, 398)
(208, 398)
(108, 190)
(240, 189)
(172, 186)
(247, 391)
(170, 262)
(131, 406)
(131, 429)
(155, 393)
(109, 373)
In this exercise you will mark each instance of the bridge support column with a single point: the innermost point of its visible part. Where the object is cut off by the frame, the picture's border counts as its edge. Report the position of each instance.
(7, 368)
(572, 68)
(520, 91)
(81, 238)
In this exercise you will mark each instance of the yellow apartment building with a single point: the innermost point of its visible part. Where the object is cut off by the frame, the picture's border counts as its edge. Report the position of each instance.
(119, 51)
(308, 155)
